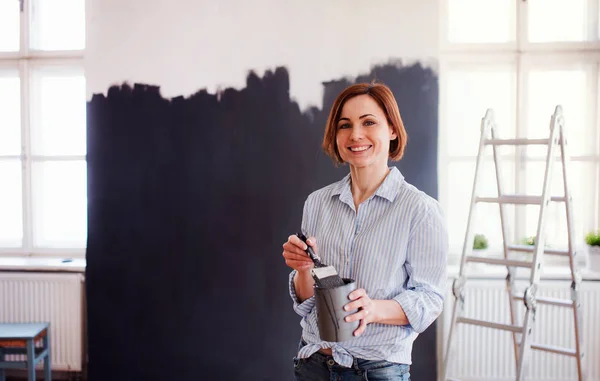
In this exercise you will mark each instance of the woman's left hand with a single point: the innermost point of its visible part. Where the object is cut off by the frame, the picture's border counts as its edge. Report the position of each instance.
(367, 310)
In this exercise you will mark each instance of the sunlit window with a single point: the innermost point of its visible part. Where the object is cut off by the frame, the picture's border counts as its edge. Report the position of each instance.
(9, 26)
(43, 203)
(522, 62)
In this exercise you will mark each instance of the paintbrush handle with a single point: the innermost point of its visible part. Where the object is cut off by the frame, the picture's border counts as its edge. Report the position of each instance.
(315, 258)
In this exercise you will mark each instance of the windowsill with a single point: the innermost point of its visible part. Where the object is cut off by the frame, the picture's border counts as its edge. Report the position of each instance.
(499, 272)
(42, 264)
(480, 272)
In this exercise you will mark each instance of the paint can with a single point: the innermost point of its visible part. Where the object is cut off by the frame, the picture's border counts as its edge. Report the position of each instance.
(330, 304)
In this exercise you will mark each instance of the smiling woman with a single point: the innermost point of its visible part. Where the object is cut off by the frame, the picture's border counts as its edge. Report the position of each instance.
(365, 136)
(375, 228)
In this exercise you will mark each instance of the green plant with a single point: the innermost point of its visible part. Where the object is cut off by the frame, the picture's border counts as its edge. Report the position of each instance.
(530, 241)
(593, 238)
(480, 242)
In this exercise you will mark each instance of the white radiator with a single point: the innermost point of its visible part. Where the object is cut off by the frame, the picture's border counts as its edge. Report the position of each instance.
(57, 298)
(487, 354)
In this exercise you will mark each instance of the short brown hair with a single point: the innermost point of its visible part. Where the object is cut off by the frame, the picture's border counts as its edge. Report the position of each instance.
(385, 99)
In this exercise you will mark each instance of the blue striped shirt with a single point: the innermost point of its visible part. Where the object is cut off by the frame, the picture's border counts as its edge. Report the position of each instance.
(395, 247)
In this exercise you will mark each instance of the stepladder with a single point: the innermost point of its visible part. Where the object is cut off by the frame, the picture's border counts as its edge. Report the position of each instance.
(521, 325)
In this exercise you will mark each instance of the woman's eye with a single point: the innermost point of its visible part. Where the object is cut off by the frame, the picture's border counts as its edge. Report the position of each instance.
(345, 125)
(369, 123)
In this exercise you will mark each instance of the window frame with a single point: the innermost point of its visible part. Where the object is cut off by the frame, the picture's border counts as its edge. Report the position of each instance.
(524, 56)
(25, 62)
(521, 43)
(452, 61)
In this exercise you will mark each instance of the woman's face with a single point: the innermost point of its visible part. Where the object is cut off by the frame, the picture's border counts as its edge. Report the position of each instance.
(363, 133)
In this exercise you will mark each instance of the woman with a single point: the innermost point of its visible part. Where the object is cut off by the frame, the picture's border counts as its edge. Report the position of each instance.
(377, 229)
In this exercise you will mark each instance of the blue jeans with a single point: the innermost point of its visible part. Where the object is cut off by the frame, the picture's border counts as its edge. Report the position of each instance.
(320, 367)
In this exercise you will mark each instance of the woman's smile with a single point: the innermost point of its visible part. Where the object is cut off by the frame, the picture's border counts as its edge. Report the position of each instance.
(359, 149)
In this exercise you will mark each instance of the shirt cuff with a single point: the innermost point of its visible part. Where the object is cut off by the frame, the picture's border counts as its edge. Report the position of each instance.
(304, 308)
(408, 302)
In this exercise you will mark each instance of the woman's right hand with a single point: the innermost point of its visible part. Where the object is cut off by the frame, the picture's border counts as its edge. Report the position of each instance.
(294, 252)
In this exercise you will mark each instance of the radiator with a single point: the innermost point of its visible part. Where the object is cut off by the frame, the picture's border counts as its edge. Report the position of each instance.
(487, 354)
(57, 298)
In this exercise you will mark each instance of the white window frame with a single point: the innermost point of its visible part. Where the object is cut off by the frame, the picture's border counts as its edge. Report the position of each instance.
(525, 56)
(25, 61)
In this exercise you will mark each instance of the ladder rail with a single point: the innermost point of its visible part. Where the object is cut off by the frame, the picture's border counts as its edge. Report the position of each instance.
(457, 309)
(510, 285)
(525, 345)
(450, 342)
(469, 235)
(540, 237)
(568, 196)
(577, 317)
(539, 244)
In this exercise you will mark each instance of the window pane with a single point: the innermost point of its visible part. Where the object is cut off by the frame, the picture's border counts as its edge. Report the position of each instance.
(570, 89)
(583, 183)
(10, 16)
(487, 220)
(10, 115)
(58, 25)
(470, 92)
(60, 204)
(558, 20)
(11, 204)
(469, 21)
(58, 113)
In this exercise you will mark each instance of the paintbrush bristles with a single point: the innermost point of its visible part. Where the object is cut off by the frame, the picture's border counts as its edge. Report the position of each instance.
(325, 276)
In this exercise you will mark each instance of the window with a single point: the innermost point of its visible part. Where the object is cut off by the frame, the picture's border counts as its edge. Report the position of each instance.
(43, 198)
(524, 61)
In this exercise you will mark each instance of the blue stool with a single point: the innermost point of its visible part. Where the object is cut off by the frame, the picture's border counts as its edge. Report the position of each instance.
(20, 338)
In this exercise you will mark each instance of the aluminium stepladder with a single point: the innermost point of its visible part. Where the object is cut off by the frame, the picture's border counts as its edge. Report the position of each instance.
(521, 331)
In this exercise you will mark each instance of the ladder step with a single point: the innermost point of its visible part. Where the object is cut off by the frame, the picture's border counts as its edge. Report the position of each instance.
(546, 300)
(529, 249)
(554, 349)
(489, 324)
(516, 142)
(499, 261)
(517, 199)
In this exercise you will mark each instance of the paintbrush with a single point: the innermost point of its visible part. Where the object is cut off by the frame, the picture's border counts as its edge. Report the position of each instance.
(325, 276)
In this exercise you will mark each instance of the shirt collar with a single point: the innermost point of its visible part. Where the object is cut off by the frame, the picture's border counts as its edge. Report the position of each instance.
(388, 189)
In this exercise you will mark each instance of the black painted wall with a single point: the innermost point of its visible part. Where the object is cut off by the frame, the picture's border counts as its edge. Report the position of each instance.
(190, 201)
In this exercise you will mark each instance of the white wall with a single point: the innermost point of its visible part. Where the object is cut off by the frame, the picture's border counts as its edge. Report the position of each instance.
(184, 46)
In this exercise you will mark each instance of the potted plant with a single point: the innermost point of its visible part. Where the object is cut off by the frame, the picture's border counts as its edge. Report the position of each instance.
(524, 255)
(592, 240)
(480, 245)
(529, 241)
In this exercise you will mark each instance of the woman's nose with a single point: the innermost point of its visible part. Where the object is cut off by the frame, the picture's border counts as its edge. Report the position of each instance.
(356, 133)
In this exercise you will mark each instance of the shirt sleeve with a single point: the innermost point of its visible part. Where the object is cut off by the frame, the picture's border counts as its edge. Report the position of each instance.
(302, 308)
(427, 252)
